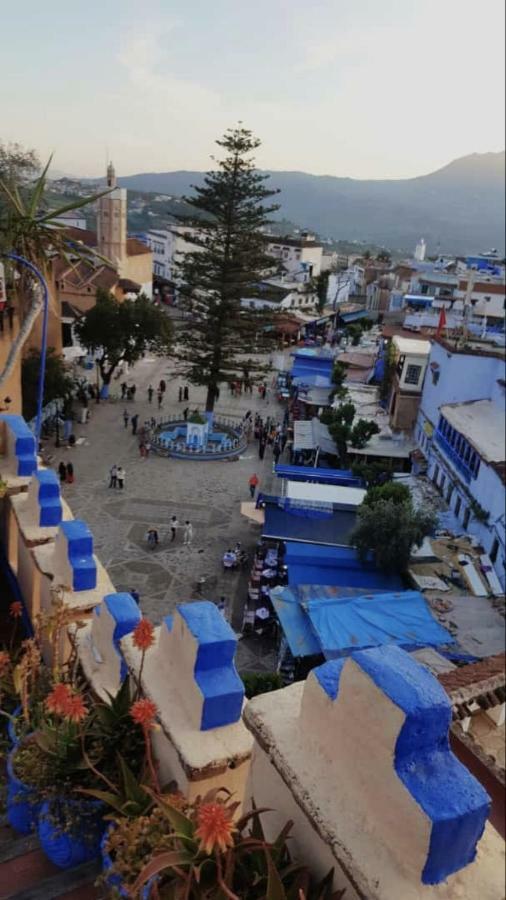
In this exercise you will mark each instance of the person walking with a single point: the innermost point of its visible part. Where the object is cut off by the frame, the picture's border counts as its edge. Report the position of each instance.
(151, 391)
(261, 448)
(126, 417)
(253, 484)
(187, 533)
(276, 452)
(120, 477)
(173, 525)
(162, 386)
(185, 413)
(124, 388)
(160, 399)
(132, 391)
(62, 472)
(70, 473)
(134, 421)
(152, 538)
(113, 476)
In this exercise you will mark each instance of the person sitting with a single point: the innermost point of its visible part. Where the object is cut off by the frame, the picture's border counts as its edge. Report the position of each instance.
(229, 560)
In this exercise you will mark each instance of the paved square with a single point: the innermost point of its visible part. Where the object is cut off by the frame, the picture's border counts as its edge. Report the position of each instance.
(209, 494)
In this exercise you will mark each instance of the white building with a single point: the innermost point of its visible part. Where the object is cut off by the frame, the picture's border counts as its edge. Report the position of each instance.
(461, 431)
(420, 250)
(169, 246)
(71, 220)
(300, 258)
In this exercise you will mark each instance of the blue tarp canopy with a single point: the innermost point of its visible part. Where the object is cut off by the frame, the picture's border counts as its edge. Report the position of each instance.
(312, 363)
(315, 621)
(319, 475)
(336, 567)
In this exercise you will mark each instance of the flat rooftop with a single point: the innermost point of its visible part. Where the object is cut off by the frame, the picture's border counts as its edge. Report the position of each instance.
(412, 345)
(482, 422)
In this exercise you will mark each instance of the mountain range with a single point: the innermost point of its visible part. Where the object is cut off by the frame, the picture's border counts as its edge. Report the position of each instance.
(457, 209)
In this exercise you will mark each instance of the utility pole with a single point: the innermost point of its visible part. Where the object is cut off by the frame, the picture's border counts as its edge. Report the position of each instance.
(468, 304)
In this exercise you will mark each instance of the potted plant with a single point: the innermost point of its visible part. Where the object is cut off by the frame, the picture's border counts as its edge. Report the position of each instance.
(198, 850)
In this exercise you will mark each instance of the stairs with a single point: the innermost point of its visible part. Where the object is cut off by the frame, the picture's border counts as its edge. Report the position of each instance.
(26, 873)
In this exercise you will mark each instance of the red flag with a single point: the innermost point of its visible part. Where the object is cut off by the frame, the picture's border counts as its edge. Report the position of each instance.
(442, 321)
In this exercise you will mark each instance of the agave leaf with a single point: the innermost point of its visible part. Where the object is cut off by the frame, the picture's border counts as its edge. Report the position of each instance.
(38, 190)
(105, 796)
(280, 843)
(17, 679)
(133, 790)
(13, 197)
(166, 860)
(180, 823)
(68, 207)
(275, 889)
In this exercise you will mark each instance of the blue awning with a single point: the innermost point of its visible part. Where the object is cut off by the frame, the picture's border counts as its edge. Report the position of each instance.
(282, 524)
(319, 475)
(317, 622)
(335, 567)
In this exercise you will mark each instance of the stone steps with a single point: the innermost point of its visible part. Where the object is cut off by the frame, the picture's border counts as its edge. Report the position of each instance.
(27, 874)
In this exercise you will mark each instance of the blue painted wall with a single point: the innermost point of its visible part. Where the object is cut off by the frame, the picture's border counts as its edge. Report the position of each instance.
(452, 799)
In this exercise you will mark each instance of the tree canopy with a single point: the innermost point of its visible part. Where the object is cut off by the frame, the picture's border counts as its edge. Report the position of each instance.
(389, 527)
(57, 382)
(123, 332)
(345, 431)
(219, 336)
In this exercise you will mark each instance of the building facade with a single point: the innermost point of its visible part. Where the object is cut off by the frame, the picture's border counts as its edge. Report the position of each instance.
(411, 359)
(301, 258)
(461, 432)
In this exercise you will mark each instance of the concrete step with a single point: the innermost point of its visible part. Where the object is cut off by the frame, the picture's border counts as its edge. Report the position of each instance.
(27, 874)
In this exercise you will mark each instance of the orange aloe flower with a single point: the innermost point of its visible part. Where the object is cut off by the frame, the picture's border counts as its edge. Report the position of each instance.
(143, 635)
(58, 700)
(76, 709)
(215, 829)
(143, 712)
(16, 609)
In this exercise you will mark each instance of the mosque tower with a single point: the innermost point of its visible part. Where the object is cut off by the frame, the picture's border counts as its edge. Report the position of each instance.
(112, 222)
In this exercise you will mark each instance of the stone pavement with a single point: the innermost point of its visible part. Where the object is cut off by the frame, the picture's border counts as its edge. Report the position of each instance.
(209, 494)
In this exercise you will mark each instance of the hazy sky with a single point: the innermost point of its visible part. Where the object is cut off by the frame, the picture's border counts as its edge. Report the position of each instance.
(365, 88)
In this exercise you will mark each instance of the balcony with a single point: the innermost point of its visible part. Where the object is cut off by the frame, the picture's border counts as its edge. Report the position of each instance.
(454, 458)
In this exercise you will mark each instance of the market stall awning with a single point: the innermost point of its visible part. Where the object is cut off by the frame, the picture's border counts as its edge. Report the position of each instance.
(338, 626)
(310, 434)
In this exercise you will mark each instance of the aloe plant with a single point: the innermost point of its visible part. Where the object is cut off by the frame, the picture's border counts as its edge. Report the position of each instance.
(204, 854)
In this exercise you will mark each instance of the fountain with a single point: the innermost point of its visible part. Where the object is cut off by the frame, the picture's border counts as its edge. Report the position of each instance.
(201, 436)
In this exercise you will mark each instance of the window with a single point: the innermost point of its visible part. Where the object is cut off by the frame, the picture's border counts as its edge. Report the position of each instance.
(467, 516)
(442, 483)
(412, 375)
(435, 475)
(458, 505)
(494, 551)
(449, 492)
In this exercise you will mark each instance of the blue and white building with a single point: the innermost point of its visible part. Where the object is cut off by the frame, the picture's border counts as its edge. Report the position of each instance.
(461, 432)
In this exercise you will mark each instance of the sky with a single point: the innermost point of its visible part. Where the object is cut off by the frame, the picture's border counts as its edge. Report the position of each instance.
(358, 88)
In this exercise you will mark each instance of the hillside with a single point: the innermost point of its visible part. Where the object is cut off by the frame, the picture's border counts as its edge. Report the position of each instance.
(458, 209)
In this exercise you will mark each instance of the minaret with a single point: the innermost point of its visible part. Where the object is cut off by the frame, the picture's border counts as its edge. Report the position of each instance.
(112, 222)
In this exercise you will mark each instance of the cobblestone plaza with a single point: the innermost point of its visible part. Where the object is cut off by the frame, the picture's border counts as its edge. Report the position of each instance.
(208, 494)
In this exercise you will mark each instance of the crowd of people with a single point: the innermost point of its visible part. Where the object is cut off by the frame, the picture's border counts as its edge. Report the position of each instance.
(274, 435)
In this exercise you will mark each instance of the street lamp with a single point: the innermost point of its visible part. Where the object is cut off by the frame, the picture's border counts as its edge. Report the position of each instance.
(43, 350)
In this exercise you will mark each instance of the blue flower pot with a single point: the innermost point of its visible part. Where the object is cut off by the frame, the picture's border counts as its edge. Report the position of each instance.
(68, 850)
(114, 880)
(22, 811)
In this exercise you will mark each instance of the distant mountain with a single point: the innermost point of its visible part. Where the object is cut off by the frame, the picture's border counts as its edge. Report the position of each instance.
(457, 209)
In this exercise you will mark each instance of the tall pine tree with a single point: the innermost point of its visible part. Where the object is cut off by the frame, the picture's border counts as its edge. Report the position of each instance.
(219, 336)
